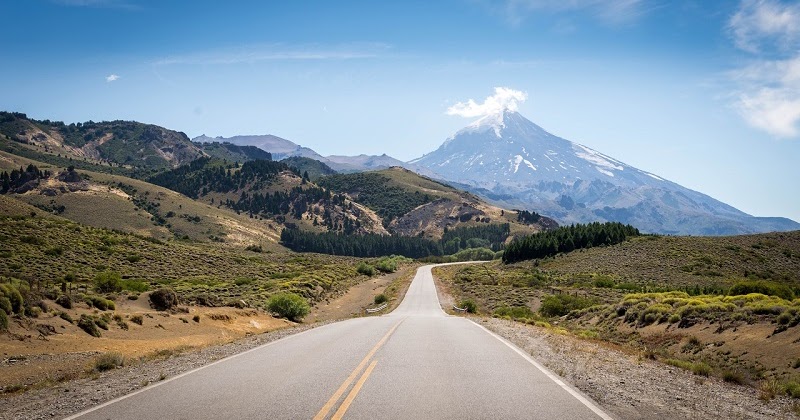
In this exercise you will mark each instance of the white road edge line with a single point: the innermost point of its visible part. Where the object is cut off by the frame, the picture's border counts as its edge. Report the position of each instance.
(580, 397)
(149, 387)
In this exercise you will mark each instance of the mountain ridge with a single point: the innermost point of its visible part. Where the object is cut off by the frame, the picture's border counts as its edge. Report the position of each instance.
(528, 167)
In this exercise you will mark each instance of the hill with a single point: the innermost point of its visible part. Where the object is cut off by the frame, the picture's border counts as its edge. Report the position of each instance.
(267, 189)
(314, 168)
(515, 163)
(412, 205)
(723, 306)
(127, 144)
(232, 152)
(117, 202)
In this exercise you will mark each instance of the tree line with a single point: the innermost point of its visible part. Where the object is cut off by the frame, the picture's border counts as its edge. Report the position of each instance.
(375, 245)
(566, 239)
(15, 180)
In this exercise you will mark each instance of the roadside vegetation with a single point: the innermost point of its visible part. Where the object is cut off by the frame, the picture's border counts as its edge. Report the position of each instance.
(725, 307)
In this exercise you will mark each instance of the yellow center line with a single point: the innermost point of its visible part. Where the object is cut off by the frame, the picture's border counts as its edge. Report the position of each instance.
(338, 394)
(353, 392)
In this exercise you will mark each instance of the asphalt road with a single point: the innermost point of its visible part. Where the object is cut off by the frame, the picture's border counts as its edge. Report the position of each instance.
(415, 363)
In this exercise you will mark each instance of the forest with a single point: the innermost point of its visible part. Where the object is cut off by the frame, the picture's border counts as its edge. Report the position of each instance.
(566, 239)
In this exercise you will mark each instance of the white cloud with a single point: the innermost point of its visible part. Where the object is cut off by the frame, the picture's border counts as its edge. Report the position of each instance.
(767, 91)
(609, 11)
(112, 78)
(278, 52)
(503, 99)
(760, 23)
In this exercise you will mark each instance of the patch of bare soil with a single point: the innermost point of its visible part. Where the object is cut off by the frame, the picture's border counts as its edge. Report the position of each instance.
(74, 396)
(49, 349)
(630, 387)
(358, 298)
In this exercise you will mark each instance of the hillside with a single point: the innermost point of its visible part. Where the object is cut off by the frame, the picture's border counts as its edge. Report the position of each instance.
(725, 306)
(314, 168)
(412, 205)
(127, 144)
(117, 202)
(232, 152)
(267, 189)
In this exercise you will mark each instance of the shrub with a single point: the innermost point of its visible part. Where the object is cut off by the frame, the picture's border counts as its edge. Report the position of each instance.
(101, 303)
(701, 369)
(108, 361)
(365, 269)
(163, 299)
(243, 281)
(386, 265)
(137, 319)
(560, 305)
(108, 282)
(381, 298)
(3, 320)
(65, 316)
(469, 305)
(763, 287)
(196, 318)
(254, 248)
(732, 376)
(5, 305)
(87, 324)
(12, 293)
(288, 305)
(64, 301)
(135, 286)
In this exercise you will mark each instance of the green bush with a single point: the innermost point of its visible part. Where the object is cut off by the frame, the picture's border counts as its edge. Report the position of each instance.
(64, 301)
(763, 287)
(137, 319)
(13, 294)
(66, 317)
(5, 305)
(381, 298)
(386, 265)
(560, 305)
(469, 305)
(135, 286)
(3, 320)
(365, 269)
(101, 303)
(108, 361)
(733, 377)
(108, 282)
(163, 299)
(288, 305)
(87, 324)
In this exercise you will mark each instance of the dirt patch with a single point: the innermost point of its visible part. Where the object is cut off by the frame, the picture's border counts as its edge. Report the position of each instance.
(361, 296)
(31, 359)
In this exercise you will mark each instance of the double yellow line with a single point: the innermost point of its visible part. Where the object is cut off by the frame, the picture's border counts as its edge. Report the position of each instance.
(323, 412)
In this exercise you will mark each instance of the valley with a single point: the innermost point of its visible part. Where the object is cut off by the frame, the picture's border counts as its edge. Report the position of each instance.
(101, 222)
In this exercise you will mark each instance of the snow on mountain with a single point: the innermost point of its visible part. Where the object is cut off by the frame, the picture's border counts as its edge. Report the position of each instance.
(514, 162)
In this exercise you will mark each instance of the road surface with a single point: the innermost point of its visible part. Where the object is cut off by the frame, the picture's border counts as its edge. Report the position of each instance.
(415, 363)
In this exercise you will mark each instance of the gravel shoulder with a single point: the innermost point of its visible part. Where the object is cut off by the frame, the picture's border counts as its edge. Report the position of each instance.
(631, 387)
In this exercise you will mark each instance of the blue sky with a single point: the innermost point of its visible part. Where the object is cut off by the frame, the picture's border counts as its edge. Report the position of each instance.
(704, 93)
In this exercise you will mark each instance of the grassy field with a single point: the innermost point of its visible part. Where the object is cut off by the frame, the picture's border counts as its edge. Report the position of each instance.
(725, 306)
(44, 250)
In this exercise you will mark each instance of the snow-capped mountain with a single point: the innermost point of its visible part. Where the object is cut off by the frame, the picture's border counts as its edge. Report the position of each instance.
(514, 162)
